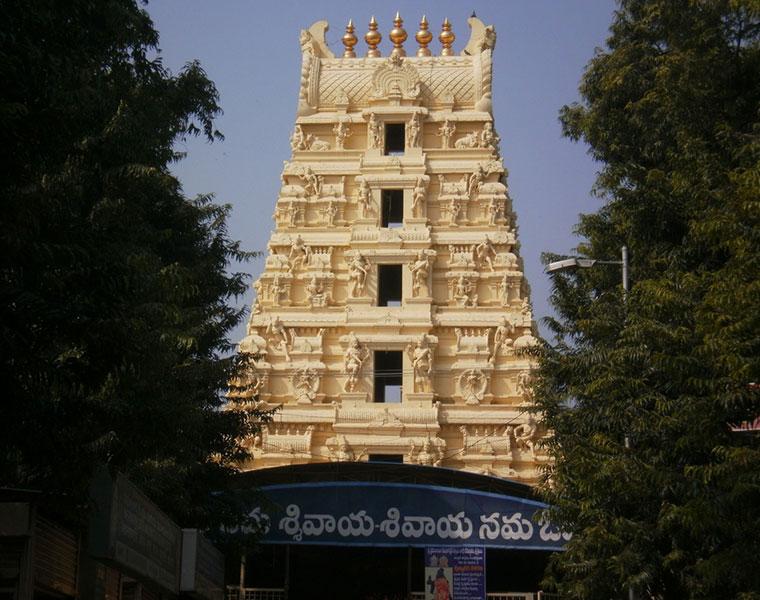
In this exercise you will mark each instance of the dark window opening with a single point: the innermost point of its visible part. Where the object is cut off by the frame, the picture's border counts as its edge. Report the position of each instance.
(394, 138)
(388, 367)
(392, 458)
(389, 285)
(392, 208)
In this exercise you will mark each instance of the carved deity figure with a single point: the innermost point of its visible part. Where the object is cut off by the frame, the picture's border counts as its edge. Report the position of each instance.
(475, 179)
(458, 333)
(342, 132)
(299, 253)
(311, 181)
(315, 293)
(357, 274)
(508, 288)
(525, 435)
(455, 208)
(276, 290)
(374, 136)
(445, 131)
(305, 385)
(329, 213)
(313, 288)
(293, 212)
(364, 198)
(279, 336)
(257, 383)
(463, 292)
(422, 363)
(488, 137)
(465, 436)
(502, 339)
(420, 269)
(248, 385)
(353, 359)
(301, 141)
(472, 383)
(413, 131)
(298, 140)
(426, 454)
(525, 385)
(318, 186)
(484, 252)
(494, 208)
(525, 307)
(343, 453)
(504, 287)
(419, 194)
(256, 306)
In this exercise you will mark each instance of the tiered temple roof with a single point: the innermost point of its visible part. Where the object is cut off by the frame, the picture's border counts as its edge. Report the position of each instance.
(392, 315)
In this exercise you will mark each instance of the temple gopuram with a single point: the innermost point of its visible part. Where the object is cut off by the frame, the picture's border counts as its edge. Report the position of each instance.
(391, 322)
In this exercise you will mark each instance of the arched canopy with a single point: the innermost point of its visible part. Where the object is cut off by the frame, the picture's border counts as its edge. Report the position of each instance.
(382, 504)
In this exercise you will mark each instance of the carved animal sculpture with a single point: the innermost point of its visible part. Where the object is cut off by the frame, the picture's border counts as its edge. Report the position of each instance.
(468, 141)
(457, 188)
(331, 189)
(495, 188)
(292, 191)
(319, 145)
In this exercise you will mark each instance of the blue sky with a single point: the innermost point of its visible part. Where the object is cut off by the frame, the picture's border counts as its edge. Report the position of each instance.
(250, 49)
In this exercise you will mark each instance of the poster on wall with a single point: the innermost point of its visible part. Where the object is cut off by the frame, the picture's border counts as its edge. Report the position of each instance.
(455, 572)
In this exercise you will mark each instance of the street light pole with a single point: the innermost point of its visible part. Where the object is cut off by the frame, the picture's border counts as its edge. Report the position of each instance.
(624, 263)
(587, 263)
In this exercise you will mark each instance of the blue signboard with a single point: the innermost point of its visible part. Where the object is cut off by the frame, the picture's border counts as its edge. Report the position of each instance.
(395, 514)
(455, 572)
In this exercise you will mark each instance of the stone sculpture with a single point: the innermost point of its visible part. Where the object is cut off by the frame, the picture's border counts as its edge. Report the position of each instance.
(421, 357)
(353, 359)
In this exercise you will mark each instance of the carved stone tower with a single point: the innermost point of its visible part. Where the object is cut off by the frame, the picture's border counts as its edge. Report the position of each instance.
(391, 317)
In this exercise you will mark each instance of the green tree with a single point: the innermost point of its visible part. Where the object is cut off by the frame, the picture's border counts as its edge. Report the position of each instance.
(670, 111)
(115, 287)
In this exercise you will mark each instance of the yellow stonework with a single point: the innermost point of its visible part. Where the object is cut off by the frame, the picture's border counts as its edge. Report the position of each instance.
(394, 261)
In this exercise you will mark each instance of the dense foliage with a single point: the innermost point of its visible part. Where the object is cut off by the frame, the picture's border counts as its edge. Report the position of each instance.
(671, 111)
(114, 288)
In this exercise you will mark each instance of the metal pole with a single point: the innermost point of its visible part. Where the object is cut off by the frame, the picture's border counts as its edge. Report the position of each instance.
(286, 583)
(241, 585)
(628, 442)
(409, 572)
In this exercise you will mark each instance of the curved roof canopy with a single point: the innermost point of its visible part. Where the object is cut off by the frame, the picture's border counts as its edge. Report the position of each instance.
(384, 472)
(388, 504)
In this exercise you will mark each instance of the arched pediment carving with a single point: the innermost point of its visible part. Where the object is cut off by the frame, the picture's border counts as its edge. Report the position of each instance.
(396, 80)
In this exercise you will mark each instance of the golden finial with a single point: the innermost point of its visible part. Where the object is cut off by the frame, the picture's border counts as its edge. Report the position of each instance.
(447, 38)
(423, 37)
(398, 36)
(349, 40)
(373, 38)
